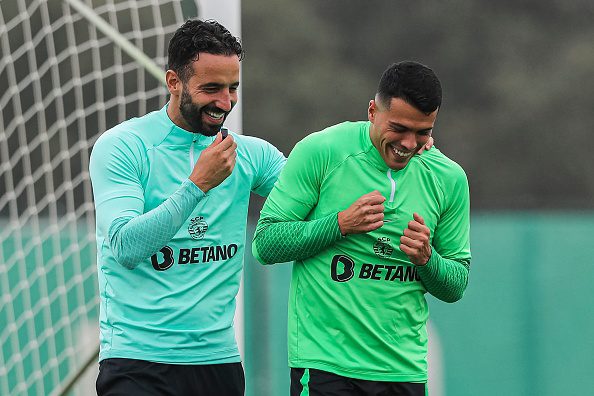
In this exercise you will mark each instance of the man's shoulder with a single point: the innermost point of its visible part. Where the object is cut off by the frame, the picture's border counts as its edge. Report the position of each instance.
(331, 146)
(126, 142)
(441, 164)
(338, 141)
(250, 142)
(252, 146)
(340, 134)
(137, 130)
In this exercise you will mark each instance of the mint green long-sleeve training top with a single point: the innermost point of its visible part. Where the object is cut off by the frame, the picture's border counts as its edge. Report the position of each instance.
(357, 304)
(169, 257)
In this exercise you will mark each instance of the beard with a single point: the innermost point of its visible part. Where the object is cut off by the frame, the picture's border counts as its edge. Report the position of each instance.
(192, 114)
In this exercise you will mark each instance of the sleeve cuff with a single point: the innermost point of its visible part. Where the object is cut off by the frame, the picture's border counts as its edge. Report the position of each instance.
(338, 234)
(432, 265)
(189, 186)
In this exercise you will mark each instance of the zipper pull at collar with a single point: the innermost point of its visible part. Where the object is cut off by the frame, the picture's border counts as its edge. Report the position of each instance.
(392, 185)
(192, 163)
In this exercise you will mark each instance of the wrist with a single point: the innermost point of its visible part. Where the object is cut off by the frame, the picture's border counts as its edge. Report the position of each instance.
(201, 184)
(428, 258)
(341, 226)
(193, 188)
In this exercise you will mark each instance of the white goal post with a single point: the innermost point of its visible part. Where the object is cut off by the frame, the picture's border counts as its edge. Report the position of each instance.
(69, 70)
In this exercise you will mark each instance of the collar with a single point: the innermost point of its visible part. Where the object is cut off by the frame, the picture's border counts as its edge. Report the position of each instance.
(179, 136)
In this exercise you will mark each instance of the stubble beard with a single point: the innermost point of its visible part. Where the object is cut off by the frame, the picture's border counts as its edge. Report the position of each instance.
(192, 114)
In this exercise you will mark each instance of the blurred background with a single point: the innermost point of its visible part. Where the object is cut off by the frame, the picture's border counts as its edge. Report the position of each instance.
(517, 114)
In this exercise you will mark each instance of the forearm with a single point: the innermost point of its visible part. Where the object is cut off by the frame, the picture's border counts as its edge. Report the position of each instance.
(133, 239)
(444, 278)
(282, 241)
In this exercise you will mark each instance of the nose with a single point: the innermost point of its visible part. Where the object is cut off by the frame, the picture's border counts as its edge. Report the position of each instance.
(226, 100)
(409, 140)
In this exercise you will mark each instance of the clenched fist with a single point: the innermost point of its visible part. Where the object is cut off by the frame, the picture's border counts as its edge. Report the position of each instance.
(364, 215)
(415, 241)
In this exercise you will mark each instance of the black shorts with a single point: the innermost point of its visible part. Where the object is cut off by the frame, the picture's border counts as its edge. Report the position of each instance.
(130, 377)
(322, 383)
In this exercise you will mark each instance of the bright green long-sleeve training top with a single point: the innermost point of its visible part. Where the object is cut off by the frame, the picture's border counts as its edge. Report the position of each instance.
(169, 257)
(357, 304)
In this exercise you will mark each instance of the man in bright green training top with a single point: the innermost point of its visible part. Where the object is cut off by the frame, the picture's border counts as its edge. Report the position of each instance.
(372, 227)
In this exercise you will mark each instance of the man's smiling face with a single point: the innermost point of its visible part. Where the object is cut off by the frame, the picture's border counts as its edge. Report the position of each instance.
(209, 94)
(398, 130)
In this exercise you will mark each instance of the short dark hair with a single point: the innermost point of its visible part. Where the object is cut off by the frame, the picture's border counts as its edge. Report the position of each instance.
(196, 36)
(412, 82)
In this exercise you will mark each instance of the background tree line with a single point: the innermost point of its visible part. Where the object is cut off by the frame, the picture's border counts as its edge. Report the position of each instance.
(517, 76)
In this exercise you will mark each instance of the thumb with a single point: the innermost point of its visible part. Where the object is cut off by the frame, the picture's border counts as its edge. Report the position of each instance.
(418, 218)
(218, 139)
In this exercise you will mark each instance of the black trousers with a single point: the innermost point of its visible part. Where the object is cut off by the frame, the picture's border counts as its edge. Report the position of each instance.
(130, 377)
(322, 383)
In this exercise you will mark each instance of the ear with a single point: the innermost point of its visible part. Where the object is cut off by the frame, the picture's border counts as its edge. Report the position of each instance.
(371, 111)
(174, 84)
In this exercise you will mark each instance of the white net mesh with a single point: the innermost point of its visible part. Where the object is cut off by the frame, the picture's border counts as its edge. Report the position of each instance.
(62, 83)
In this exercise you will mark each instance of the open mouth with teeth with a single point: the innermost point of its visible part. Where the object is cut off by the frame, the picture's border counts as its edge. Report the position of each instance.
(215, 116)
(399, 154)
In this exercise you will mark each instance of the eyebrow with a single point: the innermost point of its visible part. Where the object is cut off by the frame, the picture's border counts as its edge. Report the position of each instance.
(397, 125)
(218, 85)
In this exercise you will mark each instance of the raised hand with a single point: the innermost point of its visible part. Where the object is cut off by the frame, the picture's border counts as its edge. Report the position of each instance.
(215, 164)
(364, 215)
(427, 146)
(415, 241)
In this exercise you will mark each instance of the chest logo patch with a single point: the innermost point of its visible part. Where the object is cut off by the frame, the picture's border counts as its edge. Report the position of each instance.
(383, 248)
(197, 227)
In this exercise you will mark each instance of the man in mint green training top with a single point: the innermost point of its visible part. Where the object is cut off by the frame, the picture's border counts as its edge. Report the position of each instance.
(372, 227)
(171, 193)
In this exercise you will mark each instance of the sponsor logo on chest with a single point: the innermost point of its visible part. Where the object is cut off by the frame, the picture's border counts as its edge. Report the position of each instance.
(196, 255)
(343, 268)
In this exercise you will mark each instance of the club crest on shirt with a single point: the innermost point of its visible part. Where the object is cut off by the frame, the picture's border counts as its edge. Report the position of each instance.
(197, 227)
(382, 247)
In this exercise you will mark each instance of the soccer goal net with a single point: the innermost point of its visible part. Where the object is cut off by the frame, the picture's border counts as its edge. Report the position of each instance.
(64, 79)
